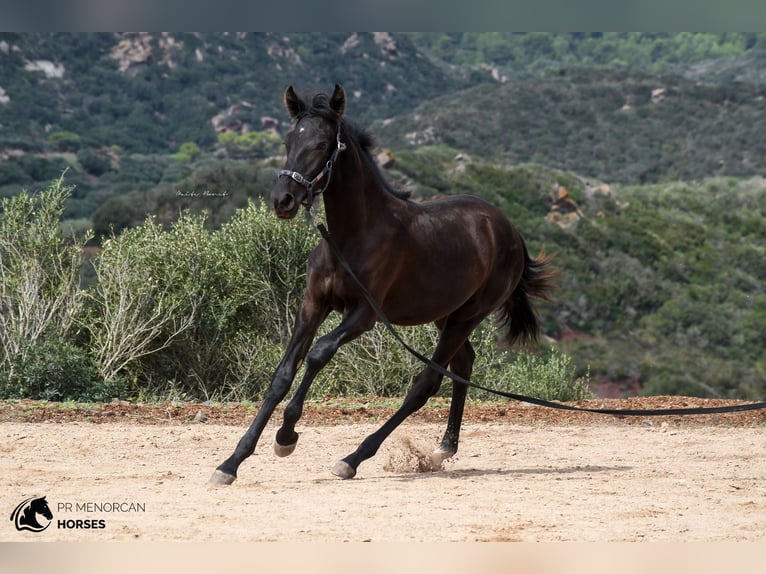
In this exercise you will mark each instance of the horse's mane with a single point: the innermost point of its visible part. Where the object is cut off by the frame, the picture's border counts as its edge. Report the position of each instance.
(355, 135)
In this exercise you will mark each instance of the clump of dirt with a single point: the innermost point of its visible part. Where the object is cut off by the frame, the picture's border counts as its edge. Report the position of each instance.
(409, 457)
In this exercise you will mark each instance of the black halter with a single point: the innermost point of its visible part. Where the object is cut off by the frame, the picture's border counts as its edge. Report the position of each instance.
(325, 173)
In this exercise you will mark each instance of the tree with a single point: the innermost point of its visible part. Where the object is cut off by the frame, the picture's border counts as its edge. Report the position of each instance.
(115, 215)
(187, 152)
(95, 162)
(249, 145)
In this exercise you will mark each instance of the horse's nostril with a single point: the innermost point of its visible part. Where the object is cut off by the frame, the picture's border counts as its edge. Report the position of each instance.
(285, 203)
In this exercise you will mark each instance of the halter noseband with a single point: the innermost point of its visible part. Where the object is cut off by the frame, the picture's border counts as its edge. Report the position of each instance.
(326, 172)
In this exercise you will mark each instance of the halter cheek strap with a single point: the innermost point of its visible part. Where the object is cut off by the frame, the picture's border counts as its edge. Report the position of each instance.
(326, 172)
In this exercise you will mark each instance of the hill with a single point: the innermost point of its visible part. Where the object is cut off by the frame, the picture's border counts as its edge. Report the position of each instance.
(125, 112)
(611, 124)
(150, 92)
(113, 108)
(635, 158)
(661, 286)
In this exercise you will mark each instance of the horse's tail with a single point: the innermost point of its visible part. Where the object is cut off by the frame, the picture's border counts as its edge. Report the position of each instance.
(518, 315)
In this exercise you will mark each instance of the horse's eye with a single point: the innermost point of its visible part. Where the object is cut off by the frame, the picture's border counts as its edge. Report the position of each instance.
(321, 146)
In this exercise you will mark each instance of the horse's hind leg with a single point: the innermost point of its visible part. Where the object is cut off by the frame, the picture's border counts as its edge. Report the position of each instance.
(462, 365)
(424, 385)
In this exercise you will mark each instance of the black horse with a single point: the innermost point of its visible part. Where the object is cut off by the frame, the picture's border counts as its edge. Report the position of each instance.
(451, 261)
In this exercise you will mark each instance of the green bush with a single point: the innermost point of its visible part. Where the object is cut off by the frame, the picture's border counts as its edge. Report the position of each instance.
(65, 141)
(186, 310)
(377, 365)
(12, 173)
(95, 162)
(39, 273)
(187, 152)
(42, 169)
(58, 371)
(546, 374)
(208, 314)
(193, 306)
(250, 144)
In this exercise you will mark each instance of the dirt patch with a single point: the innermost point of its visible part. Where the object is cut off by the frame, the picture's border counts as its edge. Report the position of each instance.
(522, 473)
(333, 411)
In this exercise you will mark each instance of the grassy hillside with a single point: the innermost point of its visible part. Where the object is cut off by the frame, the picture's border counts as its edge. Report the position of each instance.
(655, 140)
(117, 109)
(519, 53)
(662, 286)
(614, 125)
(150, 92)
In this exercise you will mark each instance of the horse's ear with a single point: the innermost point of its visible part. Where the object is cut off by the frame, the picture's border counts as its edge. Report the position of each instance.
(293, 103)
(338, 100)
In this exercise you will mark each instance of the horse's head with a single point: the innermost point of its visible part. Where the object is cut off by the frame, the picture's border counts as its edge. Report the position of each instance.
(25, 514)
(40, 506)
(312, 147)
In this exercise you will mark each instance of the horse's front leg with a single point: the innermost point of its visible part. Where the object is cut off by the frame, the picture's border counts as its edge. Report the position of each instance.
(310, 317)
(352, 326)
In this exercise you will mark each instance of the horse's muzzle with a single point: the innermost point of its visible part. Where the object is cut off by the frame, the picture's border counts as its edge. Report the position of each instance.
(285, 203)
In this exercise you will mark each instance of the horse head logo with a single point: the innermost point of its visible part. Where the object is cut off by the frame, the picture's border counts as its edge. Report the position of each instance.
(25, 516)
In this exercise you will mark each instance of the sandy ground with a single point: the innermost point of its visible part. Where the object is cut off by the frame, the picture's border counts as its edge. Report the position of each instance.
(606, 480)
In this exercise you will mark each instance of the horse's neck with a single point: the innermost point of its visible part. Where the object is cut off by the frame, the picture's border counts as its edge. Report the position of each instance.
(354, 205)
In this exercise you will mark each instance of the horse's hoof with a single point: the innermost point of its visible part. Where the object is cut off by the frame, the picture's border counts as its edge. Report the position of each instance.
(438, 457)
(221, 478)
(343, 470)
(284, 449)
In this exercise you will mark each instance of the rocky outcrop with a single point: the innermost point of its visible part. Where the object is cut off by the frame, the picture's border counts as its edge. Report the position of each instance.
(50, 69)
(564, 211)
(136, 50)
(387, 44)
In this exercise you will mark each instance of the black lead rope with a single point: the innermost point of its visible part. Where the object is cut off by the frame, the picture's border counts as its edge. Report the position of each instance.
(535, 401)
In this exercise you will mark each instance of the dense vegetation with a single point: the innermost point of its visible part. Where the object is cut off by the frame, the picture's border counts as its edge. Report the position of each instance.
(524, 53)
(662, 284)
(126, 113)
(654, 137)
(612, 125)
(189, 313)
(114, 108)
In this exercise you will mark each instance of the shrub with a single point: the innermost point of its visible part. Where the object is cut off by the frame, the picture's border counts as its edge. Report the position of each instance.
(196, 306)
(377, 365)
(39, 273)
(95, 162)
(64, 141)
(187, 152)
(209, 314)
(187, 310)
(58, 371)
(39, 168)
(546, 374)
(249, 145)
(140, 302)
